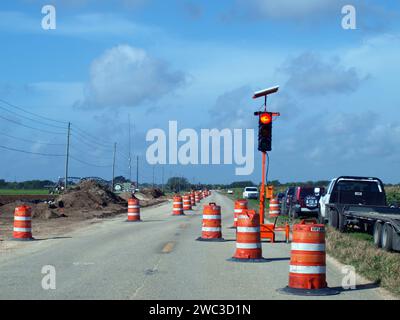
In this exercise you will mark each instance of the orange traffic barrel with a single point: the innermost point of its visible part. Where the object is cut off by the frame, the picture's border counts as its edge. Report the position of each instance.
(192, 199)
(274, 210)
(133, 210)
(240, 205)
(23, 223)
(196, 197)
(211, 227)
(177, 206)
(186, 202)
(307, 271)
(248, 240)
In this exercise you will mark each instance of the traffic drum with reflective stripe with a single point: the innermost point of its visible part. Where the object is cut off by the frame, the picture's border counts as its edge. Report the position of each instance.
(196, 197)
(192, 200)
(23, 223)
(248, 240)
(307, 270)
(240, 205)
(177, 206)
(211, 229)
(133, 210)
(274, 209)
(186, 203)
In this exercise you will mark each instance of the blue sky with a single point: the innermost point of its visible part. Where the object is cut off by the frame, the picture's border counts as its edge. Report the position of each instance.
(201, 62)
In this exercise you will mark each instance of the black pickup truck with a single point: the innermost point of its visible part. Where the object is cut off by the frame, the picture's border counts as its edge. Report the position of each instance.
(360, 202)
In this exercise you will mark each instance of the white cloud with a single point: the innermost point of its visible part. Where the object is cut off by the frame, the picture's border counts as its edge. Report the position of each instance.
(128, 76)
(310, 74)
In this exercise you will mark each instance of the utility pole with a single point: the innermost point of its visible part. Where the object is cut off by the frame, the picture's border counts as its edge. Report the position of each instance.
(67, 157)
(129, 148)
(113, 167)
(153, 176)
(137, 172)
(162, 179)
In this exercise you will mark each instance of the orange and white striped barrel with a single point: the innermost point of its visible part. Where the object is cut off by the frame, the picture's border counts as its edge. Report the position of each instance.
(133, 210)
(186, 203)
(22, 223)
(192, 199)
(177, 206)
(307, 271)
(274, 209)
(240, 205)
(248, 240)
(196, 197)
(211, 229)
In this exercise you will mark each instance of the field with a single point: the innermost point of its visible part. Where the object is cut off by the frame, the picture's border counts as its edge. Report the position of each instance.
(12, 192)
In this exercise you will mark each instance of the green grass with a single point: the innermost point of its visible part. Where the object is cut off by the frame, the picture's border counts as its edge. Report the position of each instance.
(374, 264)
(12, 192)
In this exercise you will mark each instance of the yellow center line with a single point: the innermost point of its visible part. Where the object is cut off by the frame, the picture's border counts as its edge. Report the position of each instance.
(168, 247)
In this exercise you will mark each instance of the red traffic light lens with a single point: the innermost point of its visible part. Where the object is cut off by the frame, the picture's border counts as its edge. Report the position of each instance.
(265, 118)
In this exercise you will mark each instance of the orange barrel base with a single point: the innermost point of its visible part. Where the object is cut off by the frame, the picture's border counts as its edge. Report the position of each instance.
(22, 230)
(307, 272)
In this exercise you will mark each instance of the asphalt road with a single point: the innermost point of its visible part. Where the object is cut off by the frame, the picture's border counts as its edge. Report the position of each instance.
(156, 259)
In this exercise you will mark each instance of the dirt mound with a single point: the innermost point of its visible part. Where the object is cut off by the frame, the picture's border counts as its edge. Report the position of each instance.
(152, 193)
(40, 210)
(88, 195)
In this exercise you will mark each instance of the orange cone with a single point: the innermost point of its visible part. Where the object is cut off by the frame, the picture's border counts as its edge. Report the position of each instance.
(133, 210)
(211, 227)
(177, 206)
(186, 203)
(23, 224)
(248, 241)
(307, 272)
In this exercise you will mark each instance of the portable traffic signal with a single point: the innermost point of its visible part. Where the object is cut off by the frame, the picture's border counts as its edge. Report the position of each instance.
(265, 131)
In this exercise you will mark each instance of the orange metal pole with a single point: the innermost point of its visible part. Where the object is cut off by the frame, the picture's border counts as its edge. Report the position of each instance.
(262, 191)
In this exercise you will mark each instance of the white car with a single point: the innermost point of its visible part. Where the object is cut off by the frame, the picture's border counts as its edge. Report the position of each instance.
(229, 192)
(250, 193)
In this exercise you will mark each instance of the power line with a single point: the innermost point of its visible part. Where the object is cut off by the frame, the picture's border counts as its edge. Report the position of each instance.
(30, 119)
(29, 127)
(32, 141)
(34, 153)
(32, 113)
(90, 164)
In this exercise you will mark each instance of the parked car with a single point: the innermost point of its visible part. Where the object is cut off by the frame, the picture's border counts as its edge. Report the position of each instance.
(250, 193)
(229, 191)
(286, 200)
(280, 197)
(305, 201)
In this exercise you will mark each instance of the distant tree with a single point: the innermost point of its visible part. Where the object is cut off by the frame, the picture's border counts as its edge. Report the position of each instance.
(178, 184)
(121, 179)
(241, 184)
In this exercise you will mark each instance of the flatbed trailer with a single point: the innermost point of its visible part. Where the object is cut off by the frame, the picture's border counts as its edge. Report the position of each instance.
(381, 221)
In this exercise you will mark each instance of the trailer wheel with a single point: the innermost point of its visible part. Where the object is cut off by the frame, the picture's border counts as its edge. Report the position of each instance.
(341, 222)
(378, 234)
(333, 219)
(387, 237)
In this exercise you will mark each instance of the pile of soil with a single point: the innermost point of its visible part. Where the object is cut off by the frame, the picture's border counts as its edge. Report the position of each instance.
(40, 210)
(151, 193)
(88, 195)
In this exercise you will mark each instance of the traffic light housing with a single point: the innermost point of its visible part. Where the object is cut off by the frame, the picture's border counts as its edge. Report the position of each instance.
(265, 131)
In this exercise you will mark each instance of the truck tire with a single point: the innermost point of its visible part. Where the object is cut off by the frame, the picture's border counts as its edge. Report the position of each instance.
(378, 234)
(321, 219)
(333, 219)
(341, 222)
(387, 237)
(293, 214)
